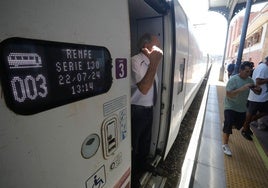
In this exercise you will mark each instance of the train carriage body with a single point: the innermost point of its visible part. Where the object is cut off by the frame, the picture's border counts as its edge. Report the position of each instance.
(65, 116)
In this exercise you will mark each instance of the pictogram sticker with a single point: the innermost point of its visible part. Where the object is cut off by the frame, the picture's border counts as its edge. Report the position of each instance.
(98, 179)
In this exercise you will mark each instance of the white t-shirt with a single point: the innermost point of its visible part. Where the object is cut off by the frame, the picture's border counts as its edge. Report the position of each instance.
(260, 72)
(139, 66)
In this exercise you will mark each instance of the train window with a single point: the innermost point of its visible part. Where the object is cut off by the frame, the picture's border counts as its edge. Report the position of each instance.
(39, 75)
(181, 77)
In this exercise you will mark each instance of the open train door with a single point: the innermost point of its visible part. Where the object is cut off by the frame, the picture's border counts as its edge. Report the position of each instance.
(169, 22)
(153, 25)
(177, 73)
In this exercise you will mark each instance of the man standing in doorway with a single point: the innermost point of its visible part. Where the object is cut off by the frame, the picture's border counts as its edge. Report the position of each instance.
(143, 97)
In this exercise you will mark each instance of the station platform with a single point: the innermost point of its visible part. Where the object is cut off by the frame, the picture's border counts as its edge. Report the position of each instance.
(248, 165)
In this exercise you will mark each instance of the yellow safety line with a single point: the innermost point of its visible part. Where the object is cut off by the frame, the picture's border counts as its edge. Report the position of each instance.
(261, 151)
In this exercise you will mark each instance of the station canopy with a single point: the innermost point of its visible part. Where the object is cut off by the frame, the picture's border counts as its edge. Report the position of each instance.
(229, 8)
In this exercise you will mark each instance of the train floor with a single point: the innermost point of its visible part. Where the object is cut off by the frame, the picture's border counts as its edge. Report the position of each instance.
(248, 165)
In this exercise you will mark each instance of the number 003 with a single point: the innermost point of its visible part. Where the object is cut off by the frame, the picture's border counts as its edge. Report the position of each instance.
(29, 88)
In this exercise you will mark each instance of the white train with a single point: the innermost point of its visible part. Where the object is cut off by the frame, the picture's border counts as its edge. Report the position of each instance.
(65, 116)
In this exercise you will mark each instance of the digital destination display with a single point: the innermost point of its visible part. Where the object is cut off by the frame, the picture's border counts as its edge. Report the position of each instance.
(39, 75)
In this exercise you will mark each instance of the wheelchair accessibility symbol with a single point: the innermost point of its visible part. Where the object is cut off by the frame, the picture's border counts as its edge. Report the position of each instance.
(98, 179)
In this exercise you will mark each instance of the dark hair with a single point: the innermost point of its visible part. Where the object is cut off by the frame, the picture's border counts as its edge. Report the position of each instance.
(266, 58)
(246, 64)
(146, 38)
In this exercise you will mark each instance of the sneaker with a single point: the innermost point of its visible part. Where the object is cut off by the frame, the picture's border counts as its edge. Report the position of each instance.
(246, 135)
(226, 149)
(254, 124)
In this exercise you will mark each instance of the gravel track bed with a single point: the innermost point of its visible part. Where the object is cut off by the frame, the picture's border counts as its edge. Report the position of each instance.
(171, 167)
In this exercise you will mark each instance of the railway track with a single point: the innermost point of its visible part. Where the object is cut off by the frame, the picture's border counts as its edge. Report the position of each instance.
(171, 167)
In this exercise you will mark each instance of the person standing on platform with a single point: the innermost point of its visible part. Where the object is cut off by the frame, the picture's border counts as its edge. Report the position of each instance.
(230, 68)
(143, 97)
(257, 104)
(235, 103)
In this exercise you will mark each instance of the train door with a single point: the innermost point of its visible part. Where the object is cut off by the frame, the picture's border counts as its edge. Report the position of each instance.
(65, 115)
(154, 25)
(172, 28)
(169, 22)
(154, 17)
(178, 71)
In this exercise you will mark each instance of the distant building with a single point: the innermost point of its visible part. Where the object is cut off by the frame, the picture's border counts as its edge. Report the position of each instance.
(256, 42)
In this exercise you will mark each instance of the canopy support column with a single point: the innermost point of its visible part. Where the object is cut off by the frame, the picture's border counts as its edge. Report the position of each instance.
(243, 36)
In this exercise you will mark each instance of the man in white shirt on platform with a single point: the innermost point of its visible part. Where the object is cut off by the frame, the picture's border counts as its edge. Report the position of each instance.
(257, 104)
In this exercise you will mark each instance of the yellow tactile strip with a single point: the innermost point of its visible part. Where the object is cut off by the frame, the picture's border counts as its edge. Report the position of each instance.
(245, 169)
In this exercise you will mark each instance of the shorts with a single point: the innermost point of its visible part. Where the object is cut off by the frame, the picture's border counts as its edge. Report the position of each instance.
(254, 107)
(233, 118)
